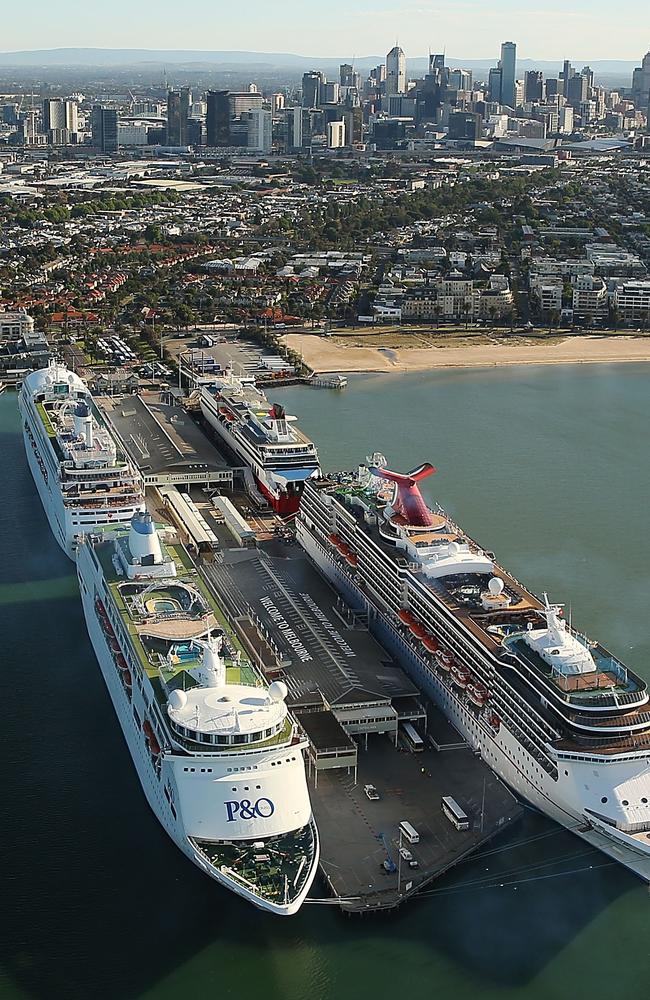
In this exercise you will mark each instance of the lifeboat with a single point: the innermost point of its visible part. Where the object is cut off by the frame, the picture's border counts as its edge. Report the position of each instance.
(405, 616)
(150, 737)
(334, 539)
(460, 675)
(352, 558)
(115, 646)
(121, 662)
(494, 721)
(445, 659)
(477, 694)
(126, 677)
(430, 644)
(344, 549)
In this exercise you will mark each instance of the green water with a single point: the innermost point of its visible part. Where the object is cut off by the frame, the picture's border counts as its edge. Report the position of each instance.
(548, 467)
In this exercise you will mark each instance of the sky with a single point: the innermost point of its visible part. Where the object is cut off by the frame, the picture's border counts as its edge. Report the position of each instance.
(543, 29)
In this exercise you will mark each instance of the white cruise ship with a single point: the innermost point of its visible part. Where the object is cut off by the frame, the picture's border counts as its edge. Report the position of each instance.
(82, 481)
(265, 439)
(560, 718)
(218, 756)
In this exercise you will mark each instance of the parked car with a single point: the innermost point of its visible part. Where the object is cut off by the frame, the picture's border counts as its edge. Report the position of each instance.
(371, 792)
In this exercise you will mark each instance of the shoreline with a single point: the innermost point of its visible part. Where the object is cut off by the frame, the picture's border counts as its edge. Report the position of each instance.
(325, 357)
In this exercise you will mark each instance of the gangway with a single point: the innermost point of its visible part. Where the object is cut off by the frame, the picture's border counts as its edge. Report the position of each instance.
(389, 856)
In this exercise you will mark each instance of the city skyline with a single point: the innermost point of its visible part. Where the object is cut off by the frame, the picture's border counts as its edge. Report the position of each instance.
(589, 30)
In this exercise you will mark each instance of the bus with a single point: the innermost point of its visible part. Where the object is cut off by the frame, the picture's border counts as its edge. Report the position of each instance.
(409, 832)
(412, 738)
(454, 813)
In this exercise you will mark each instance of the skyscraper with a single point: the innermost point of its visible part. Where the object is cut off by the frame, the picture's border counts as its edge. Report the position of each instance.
(260, 130)
(508, 66)
(178, 111)
(311, 86)
(104, 129)
(641, 83)
(396, 71)
(533, 85)
(218, 118)
(494, 85)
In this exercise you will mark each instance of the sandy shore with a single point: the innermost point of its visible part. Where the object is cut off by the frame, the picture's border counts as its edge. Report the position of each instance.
(324, 356)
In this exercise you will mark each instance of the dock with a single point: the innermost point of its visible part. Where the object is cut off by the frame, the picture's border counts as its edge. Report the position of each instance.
(350, 698)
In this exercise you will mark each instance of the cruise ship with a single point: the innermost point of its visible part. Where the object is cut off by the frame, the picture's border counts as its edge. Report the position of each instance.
(218, 755)
(82, 480)
(280, 457)
(555, 714)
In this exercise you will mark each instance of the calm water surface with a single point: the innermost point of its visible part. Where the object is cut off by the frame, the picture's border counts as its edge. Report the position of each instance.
(547, 466)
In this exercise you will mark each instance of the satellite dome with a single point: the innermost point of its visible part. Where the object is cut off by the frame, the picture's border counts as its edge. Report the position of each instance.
(454, 548)
(278, 691)
(495, 586)
(177, 700)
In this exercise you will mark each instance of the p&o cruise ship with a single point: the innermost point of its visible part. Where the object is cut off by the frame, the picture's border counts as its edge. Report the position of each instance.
(218, 756)
(281, 458)
(81, 480)
(560, 718)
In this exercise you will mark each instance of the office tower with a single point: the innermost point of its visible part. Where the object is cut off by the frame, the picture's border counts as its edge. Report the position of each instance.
(588, 74)
(576, 92)
(336, 135)
(641, 83)
(508, 66)
(218, 118)
(533, 86)
(460, 79)
(178, 112)
(346, 75)
(243, 102)
(329, 93)
(552, 87)
(353, 118)
(260, 130)
(311, 86)
(396, 71)
(495, 85)
(567, 73)
(104, 129)
(277, 102)
(465, 125)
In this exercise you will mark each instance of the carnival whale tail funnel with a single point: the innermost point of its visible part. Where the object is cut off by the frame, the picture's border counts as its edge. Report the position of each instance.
(408, 500)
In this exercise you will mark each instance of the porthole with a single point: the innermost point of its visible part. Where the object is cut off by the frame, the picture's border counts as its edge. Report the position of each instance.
(624, 802)
(604, 799)
(645, 801)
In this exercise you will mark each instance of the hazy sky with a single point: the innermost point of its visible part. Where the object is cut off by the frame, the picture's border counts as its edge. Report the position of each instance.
(546, 29)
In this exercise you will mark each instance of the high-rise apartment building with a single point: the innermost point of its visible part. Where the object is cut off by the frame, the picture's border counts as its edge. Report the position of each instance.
(217, 120)
(396, 71)
(508, 66)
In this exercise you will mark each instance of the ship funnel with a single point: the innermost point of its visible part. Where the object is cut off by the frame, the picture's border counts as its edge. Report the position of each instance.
(408, 500)
(213, 667)
(144, 543)
(83, 423)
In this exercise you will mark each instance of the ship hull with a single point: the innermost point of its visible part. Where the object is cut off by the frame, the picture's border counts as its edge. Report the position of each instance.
(158, 781)
(501, 751)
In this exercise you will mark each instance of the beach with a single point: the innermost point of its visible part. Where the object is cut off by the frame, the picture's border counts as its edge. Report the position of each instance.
(324, 355)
